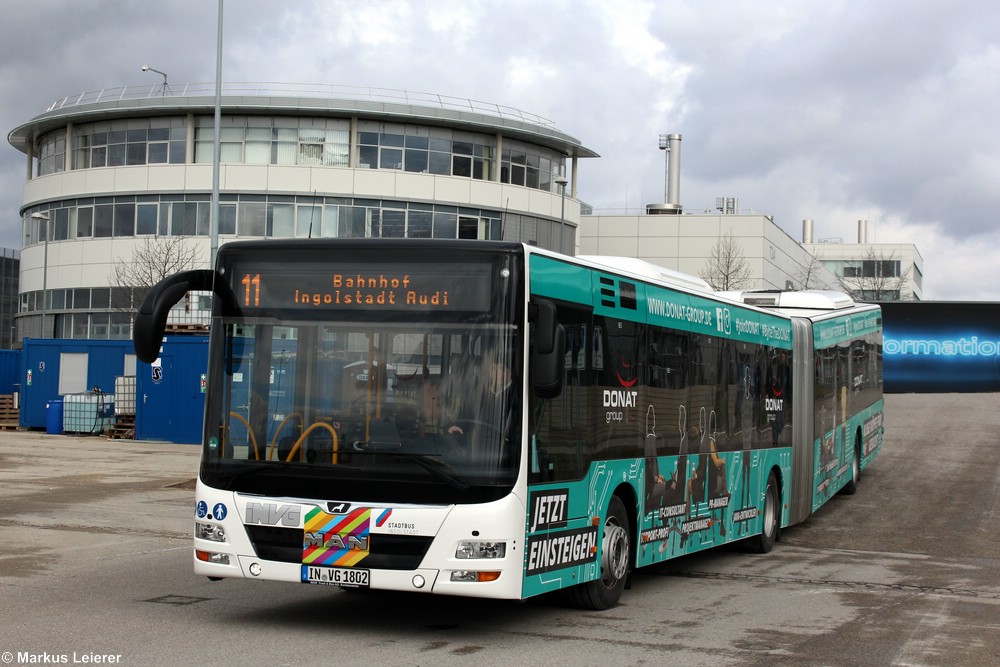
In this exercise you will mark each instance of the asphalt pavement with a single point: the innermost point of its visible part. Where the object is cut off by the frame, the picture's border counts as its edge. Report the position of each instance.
(95, 566)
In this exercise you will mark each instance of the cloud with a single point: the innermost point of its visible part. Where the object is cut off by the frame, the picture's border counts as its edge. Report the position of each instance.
(832, 111)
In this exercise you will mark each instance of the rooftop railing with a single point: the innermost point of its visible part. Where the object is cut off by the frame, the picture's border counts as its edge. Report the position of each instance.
(319, 91)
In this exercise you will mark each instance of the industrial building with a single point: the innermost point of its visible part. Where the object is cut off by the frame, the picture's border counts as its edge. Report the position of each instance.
(668, 235)
(870, 271)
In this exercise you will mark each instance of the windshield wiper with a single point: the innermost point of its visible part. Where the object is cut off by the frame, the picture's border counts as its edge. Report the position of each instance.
(428, 462)
(243, 470)
(441, 470)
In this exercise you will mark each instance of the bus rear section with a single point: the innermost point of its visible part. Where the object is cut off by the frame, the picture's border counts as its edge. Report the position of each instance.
(838, 378)
(848, 407)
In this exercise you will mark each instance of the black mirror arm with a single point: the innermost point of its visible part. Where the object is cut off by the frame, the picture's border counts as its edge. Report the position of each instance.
(151, 317)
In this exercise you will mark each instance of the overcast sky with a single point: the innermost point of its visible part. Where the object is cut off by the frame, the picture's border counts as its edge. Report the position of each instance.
(836, 111)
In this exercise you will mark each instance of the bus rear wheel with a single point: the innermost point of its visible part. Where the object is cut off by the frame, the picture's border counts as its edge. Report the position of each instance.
(852, 485)
(616, 553)
(764, 542)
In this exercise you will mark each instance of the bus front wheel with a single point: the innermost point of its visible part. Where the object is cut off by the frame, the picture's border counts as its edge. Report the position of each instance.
(764, 542)
(616, 552)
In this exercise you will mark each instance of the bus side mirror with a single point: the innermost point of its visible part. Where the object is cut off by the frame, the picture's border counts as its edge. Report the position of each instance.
(548, 356)
(151, 318)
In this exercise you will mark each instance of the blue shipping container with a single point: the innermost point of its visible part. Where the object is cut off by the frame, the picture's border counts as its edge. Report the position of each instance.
(10, 366)
(90, 364)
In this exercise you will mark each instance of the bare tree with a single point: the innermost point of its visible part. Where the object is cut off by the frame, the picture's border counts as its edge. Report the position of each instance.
(157, 258)
(809, 276)
(727, 268)
(880, 277)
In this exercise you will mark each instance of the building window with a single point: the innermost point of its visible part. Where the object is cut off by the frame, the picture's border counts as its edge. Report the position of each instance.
(416, 155)
(104, 221)
(302, 141)
(880, 269)
(120, 326)
(145, 219)
(135, 141)
(85, 222)
(531, 166)
(266, 140)
(420, 224)
(411, 148)
(52, 153)
(274, 216)
(60, 224)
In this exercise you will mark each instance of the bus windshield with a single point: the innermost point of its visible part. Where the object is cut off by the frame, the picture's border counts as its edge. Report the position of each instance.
(404, 405)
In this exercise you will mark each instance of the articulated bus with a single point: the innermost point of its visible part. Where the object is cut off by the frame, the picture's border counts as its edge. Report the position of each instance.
(490, 419)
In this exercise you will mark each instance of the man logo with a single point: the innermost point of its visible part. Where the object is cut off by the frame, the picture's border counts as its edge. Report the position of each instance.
(338, 508)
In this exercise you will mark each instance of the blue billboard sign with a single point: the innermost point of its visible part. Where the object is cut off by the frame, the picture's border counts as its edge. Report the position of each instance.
(941, 346)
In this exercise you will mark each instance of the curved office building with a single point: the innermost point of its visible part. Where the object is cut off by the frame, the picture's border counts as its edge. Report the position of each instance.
(119, 178)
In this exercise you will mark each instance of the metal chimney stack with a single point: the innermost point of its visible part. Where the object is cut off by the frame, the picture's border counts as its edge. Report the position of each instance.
(671, 143)
(674, 170)
(807, 231)
(863, 232)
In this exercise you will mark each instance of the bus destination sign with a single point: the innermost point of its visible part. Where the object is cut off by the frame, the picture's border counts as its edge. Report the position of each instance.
(333, 286)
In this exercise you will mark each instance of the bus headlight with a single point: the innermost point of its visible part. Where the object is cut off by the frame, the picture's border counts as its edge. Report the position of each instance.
(210, 532)
(480, 549)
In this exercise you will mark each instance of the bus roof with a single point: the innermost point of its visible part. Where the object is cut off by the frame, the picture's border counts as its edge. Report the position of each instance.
(822, 300)
(648, 270)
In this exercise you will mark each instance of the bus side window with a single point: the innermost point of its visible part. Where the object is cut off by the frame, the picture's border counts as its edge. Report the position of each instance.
(778, 396)
(619, 400)
(667, 379)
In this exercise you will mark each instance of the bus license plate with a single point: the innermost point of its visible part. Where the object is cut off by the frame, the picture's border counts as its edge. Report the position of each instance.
(335, 576)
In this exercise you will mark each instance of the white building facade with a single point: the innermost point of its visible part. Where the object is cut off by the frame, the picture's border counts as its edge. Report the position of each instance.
(874, 271)
(870, 271)
(109, 173)
(685, 242)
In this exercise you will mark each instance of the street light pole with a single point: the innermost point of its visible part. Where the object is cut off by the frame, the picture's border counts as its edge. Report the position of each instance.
(45, 268)
(561, 181)
(213, 221)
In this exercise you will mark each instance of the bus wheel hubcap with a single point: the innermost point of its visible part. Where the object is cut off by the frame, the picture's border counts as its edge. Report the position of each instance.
(614, 562)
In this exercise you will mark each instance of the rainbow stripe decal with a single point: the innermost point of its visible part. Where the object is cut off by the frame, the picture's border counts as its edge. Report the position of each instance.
(339, 540)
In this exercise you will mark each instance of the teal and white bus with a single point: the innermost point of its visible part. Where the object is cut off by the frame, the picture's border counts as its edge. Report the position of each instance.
(490, 419)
